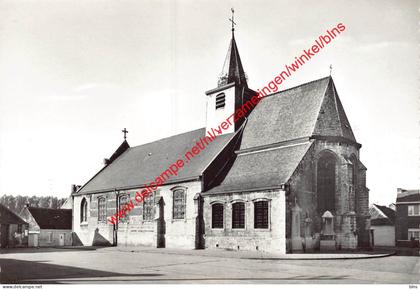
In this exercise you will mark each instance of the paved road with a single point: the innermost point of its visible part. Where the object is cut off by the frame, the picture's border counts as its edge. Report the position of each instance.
(112, 265)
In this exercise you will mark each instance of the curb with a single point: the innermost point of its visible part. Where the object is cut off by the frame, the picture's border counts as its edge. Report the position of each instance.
(326, 258)
(307, 257)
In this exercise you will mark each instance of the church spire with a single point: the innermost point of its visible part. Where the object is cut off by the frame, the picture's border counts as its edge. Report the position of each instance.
(232, 68)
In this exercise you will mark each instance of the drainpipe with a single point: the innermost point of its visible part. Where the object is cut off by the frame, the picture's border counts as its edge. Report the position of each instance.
(115, 226)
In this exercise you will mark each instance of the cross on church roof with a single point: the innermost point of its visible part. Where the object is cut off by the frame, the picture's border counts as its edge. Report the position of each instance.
(125, 131)
(330, 69)
(232, 19)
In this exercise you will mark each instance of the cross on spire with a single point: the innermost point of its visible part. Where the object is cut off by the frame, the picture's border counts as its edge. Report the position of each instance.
(125, 131)
(330, 69)
(232, 19)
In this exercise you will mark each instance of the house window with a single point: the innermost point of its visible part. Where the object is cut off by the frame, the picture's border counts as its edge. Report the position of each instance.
(217, 216)
(50, 237)
(83, 211)
(122, 202)
(148, 204)
(238, 215)
(19, 229)
(414, 210)
(101, 209)
(179, 204)
(220, 100)
(414, 233)
(261, 215)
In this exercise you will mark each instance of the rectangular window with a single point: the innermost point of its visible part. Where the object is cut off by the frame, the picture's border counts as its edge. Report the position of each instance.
(19, 229)
(414, 210)
(414, 233)
(261, 215)
(101, 209)
(217, 216)
(220, 100)
(179, 204)
(238, 215)
(50, 237)
(148, 205)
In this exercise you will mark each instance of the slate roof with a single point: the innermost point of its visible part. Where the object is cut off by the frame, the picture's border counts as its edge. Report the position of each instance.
(140, 165)
(52, 218)
(8, 217)
(382, 215)
(267, 169)
(408, 196)
(293, 114)
(278, 132)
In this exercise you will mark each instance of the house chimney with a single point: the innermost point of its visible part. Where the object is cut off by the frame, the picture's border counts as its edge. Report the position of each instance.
(73, 188)
(106, 161)
(399, 190)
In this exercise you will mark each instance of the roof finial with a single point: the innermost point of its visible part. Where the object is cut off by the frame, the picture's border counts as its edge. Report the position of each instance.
(232, 20)
(125, 131)
(330, 69)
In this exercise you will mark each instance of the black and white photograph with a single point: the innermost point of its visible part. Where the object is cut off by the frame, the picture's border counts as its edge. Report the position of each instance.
(151, 142)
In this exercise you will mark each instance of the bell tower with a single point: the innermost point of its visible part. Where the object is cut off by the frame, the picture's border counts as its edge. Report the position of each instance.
(232, 89)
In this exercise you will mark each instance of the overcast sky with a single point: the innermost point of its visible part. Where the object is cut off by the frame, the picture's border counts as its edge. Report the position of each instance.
(74, 73)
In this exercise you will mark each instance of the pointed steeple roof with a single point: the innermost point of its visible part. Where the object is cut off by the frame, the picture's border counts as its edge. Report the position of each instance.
(233, 70)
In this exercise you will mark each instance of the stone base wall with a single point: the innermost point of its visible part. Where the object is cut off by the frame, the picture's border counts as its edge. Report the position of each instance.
(135, 231)
(272, 239)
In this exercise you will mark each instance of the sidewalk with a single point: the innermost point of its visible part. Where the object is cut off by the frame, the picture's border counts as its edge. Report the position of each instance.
(255, 254)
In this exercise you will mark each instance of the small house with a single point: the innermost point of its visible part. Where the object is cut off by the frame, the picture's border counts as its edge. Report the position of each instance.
(13, 230)
(383, 225)
(48, 227)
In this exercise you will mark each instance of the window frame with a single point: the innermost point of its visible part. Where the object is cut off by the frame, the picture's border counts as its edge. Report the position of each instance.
(411, 213)
(268, 214)
(50, 237)
(83, 211)
(149, 201)
(125, 218)
(102, 211)
(183, 203)
(222, 216)
(413, 230)
(234, 205)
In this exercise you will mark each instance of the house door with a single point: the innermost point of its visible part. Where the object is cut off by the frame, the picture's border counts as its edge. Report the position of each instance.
(4, 235)
(61, 240)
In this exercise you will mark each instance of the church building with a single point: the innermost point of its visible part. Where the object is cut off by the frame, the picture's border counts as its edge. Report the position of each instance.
(286, 178)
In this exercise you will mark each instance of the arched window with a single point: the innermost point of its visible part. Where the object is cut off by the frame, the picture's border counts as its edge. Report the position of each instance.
(101, 209)
(326, 183)
(83, 211)
(148, 204)
(220, 100)
(122, 202)
(261, 215)
(179, 203)
(238, 215)
(217, 216)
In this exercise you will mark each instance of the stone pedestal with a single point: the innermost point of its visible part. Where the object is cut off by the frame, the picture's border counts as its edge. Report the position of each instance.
(327, 240)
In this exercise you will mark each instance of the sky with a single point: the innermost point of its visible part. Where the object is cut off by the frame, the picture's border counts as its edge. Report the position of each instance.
(74, 73)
